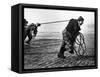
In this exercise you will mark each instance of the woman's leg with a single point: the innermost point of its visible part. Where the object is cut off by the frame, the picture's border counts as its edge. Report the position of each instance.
(26, 32)
(30, 37)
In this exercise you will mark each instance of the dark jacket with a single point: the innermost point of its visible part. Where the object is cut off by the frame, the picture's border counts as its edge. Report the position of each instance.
(35, 29)
(73, 27)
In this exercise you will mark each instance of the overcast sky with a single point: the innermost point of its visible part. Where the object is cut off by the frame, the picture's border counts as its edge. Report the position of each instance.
(44, 15)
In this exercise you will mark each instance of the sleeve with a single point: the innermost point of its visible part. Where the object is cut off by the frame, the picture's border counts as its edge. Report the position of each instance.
(76, 28)
(71, 26)
(75, 25)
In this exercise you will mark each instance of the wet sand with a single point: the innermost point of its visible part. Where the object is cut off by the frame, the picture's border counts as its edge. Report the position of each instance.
(42, 53)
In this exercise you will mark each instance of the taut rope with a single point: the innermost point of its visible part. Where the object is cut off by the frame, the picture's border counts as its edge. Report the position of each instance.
(54, 22)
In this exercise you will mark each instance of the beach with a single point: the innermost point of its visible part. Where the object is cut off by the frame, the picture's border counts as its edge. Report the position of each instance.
(43, 50)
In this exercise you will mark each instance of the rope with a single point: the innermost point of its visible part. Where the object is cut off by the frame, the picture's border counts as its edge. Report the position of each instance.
(80, 44)
(54, 22)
